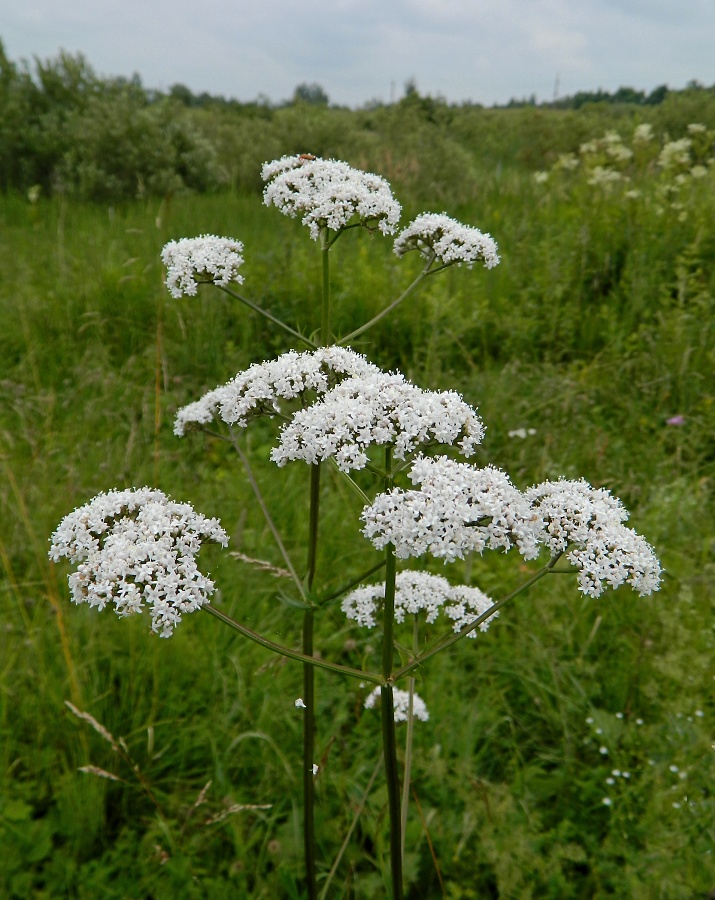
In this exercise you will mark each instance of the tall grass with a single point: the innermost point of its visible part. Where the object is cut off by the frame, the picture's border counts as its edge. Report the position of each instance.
(595, 330)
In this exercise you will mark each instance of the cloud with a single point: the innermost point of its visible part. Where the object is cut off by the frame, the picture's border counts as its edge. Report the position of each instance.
(357, 49)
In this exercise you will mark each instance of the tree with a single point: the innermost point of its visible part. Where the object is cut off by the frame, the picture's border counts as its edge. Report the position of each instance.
(310, 93)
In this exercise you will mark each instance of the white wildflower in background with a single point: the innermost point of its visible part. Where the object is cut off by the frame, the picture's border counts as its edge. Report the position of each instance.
(401, 702)
(448, 240)
(299, 703)
(675, 154)
(258, 390)
(643, 133)
(696, 128)
(600, 176)
(459, 509)
(588, 522)
(329, 193)
(137, 547)
(377, 408)
(207, 255)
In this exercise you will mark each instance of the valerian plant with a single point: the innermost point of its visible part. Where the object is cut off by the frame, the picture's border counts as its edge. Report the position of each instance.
(137, 548)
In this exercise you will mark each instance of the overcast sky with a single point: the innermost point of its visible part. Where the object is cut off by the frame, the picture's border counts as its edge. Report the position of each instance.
(360, 50)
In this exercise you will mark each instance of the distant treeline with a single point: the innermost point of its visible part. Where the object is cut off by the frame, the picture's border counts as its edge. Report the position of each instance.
(64, 129)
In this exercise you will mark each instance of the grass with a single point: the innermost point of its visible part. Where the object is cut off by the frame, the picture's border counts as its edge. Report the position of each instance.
(596, 328)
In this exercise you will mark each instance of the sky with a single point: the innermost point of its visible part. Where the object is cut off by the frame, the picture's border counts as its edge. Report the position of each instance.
(365, 50)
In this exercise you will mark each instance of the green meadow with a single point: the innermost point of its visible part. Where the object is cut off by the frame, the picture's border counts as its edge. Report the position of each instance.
(570, 749)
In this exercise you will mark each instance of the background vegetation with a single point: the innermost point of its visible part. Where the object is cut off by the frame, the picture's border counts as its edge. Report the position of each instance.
(596, 331)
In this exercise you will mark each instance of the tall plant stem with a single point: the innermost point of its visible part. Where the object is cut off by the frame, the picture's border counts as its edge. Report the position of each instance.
(388, 309)
(408, 749)
(387, 707)
(308, 618)
(309, 693)
(325, 311)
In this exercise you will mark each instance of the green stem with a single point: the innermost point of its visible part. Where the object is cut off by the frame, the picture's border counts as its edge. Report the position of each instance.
(325, 312)
(308, 618)
(387, 309)
(309, 693)
(251, 305)
(351, 584)
(442, 643)
(387, 707)
(371, 677)
(408, 747)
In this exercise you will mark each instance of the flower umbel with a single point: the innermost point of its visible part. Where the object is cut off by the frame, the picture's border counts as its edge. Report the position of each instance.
(258, 390)
(416, 592)
(588, 522)
(328, 193)
(448, 240)
(458, 509)
(377, 408)
(206, 255)
(137, 547)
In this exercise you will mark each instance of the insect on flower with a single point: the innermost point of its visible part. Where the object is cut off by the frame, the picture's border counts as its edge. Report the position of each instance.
(307, 156)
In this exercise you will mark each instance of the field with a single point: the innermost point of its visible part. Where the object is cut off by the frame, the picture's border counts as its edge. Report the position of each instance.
(569, 750)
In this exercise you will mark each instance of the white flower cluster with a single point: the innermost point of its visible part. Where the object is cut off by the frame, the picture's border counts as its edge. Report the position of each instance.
(329, 193)
(590, 521)
(137, 547)
(469, 603)
(676, 154)
(204, 255)
(417, 591)
(459, 509)
(377, 408)
(449, 240)
(401, 703)
(258, 390)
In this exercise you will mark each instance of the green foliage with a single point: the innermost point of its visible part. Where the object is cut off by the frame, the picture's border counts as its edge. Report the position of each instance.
(595, 331)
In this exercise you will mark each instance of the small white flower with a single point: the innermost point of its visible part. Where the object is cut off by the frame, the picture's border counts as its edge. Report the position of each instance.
(137, 547)
(314, 769)
(327, 193)
(699, 713)
(589, 720)
(676, 805)
(606, 801)
(603, 751)
(639, 721)
(299, 704)
(673, 768)
(619, 715)
(401, 702)
(610, 781)
(625, 774)
(616, 773)
(207, 254)
(449, 241)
